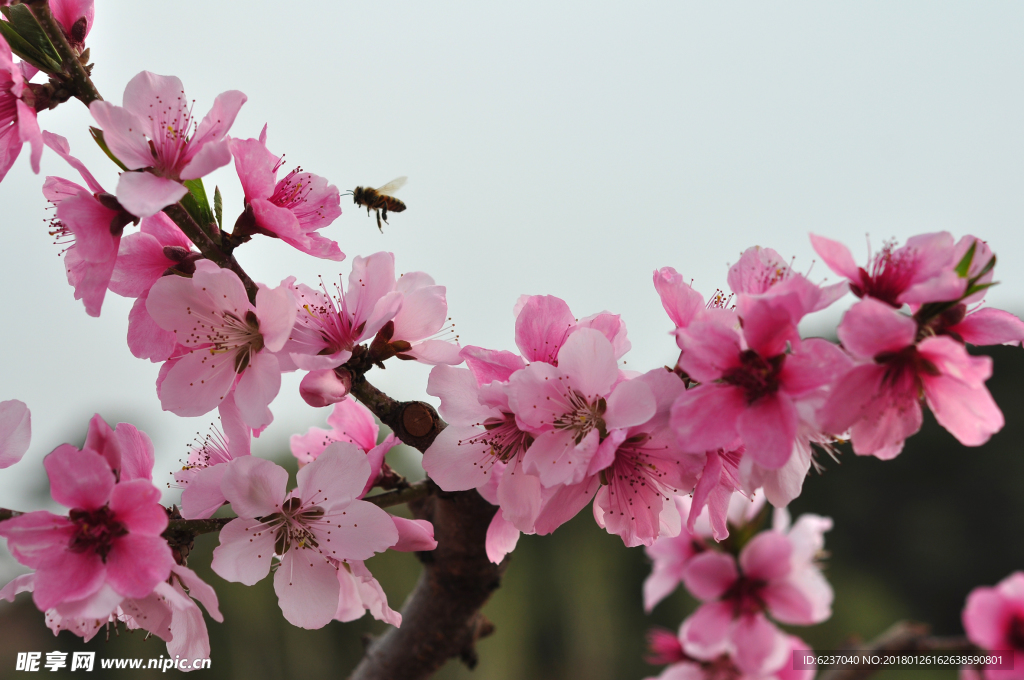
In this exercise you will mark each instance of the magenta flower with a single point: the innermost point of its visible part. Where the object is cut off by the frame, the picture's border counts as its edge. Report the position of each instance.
(107, 549)
(878, 401)
(919, 272)
(421, 331)
(93, 219)
(15, 431)
(155, 133)
(994, 619)
(776, 574)
(292, 209)
(667, 649)
(228, 338)
(313, 530)
(328, 327)
(752, 379)
(762, 271)
(18, 124)
(145, 256)
(544, 322)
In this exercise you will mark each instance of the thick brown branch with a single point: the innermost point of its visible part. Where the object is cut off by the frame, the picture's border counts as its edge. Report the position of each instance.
(210, 250)
(905, 637)
(441, 619)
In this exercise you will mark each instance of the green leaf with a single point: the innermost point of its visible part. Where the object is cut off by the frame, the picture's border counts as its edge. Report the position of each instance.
(218, 207)
(24, 50)
(28, 28)
(986, 269)
(971, 290)
(97, 136)
(964, 266)
(197, 204)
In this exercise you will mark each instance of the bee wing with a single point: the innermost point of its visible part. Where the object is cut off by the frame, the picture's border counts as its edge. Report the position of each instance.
(392, 186)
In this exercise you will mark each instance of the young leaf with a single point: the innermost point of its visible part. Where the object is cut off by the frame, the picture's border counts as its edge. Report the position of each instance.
(964, 266)
(196, 203)
(24, 50)
(28, 28)
(218, 207)
(97, 136)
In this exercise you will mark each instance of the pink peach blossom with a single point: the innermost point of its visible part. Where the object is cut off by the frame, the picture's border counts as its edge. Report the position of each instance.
(543, 322)
(879, 399)
(292, 209)
(201, 475)
(994, 620)
(155, 134)
(108, 548)
(15, 431)
(229, 339)
(668, 649)
(18, 124)
(313, 530)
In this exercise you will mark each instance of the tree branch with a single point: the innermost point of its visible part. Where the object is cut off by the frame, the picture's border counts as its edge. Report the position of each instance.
(210, 250)
(81, 84)
(902, 636)
(441, 619)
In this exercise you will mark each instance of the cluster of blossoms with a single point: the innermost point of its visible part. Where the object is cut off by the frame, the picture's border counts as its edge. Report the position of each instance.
(741, 583)
(680, 459)
(542, 433)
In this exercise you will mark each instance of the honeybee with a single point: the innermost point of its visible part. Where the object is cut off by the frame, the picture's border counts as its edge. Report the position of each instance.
(380, 199)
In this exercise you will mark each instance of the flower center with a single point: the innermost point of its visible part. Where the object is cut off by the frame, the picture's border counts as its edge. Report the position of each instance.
(891, 273)
(755, 375)
(95, 531)
(583, 417)
(1015, 635)
(293, 530)
(504, 437)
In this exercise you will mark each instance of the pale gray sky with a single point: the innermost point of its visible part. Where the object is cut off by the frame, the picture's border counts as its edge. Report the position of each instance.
(559, 148)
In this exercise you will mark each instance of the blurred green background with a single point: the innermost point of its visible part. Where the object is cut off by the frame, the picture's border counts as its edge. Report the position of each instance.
(912, 537)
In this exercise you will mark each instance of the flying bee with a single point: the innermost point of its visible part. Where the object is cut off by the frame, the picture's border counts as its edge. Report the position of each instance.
(380, 200)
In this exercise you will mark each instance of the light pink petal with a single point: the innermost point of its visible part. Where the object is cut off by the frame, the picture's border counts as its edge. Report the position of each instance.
(946, 286)
(458, 390)
(816, 363)
(255, 167)
(307, 588)
(369, 285)
(355, 421)
(612, 327)
(255, 487)
(165, 231)
(985, 616)
(19, 584)
(436, 353)
(335, 478)
(368, 593)
(210, 156)
(769, 323)
(136, 563)
(68, 577)
(519, 496)
(588, 362)
(557, 459)
(144, 195)
(757, 270)
(146, 339)
(837, 257)
(414, 535)
(708, 575)
(147, 90)
(542, 325)
(423, 313)
(124, 134)
(952, 360)
(88, 611)
(705, 633)
(136, 504)
(90, 221)
(458, 460)
(704, 418)
(221, 288)
(15, 431)
(275, 308)
(137, 453)
(218, 121)
(969, 413)
(358, 530)
(69, 12)
(710, 347)
(871, 327)
(375, 457)
(803, 600)
(244, 553)
(202, 495)
(565, 503)
(257, 387)
(78, 479)
(502, 537)
(768, 428)
(197, 383)
(631, 403)
(680, 301)
(489, 365)
(140, 263)
(63, 149)
(322, 388)
(189, 637)
(90, 279)
(200, 590)
(35, 537)
(990, 326)
(766, 557)
(759, 645)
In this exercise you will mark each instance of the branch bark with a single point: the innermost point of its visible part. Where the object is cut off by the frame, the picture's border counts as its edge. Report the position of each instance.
(441, 619)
